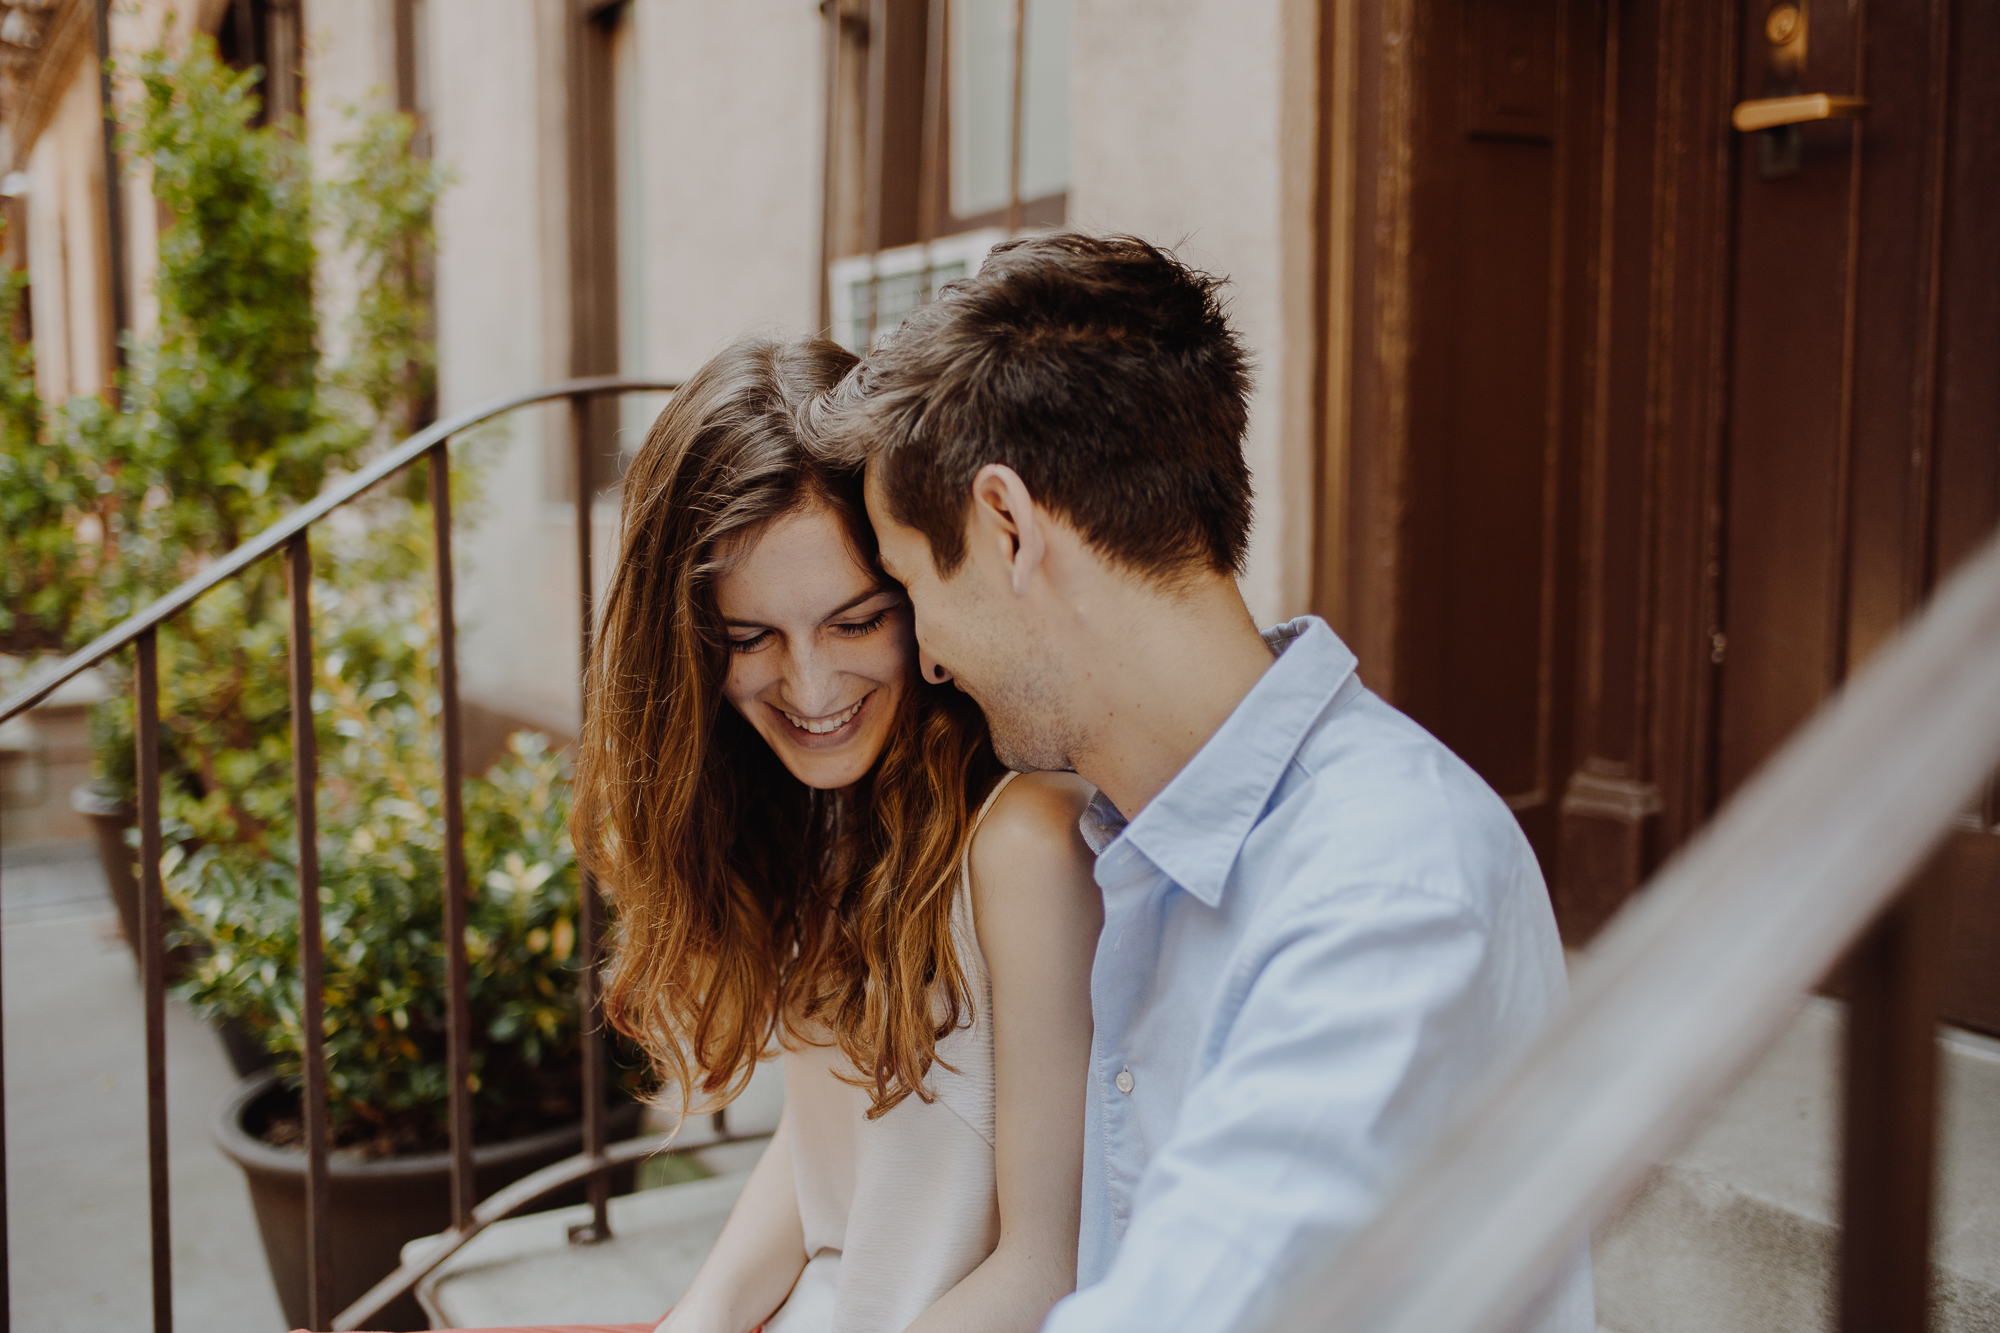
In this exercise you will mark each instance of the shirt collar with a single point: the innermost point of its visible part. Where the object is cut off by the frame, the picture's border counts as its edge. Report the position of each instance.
(1195, 827)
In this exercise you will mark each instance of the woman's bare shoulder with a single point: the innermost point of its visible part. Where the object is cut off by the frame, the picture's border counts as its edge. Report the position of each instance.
(1035, 806)
(1030, 841)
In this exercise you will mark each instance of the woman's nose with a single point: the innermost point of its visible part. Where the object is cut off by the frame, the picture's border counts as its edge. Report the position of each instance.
(934, 671)
(814, 685)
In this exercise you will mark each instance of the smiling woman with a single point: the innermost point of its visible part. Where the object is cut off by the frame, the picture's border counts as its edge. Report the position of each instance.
(820, 648)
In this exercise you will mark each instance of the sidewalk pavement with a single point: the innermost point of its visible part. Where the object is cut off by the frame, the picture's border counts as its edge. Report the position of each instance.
(77, 1212)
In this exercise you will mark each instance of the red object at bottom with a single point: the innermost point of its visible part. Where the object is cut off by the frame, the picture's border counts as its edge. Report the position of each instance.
(562, 1328)
(567, 1328)
(573, 1327)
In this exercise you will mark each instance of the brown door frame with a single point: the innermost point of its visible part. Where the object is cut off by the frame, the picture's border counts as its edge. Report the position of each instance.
(1641, 401)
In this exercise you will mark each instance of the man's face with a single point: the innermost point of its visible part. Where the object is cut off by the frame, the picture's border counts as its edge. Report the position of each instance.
(973, 629)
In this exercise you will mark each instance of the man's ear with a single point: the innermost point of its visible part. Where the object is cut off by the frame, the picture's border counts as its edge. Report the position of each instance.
(1004, 512)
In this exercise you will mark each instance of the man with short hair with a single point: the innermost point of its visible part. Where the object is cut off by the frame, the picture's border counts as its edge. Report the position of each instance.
(1320, 926)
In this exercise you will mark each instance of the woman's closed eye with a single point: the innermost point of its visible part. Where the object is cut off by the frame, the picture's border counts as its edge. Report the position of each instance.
(750, 644)
(856, 629)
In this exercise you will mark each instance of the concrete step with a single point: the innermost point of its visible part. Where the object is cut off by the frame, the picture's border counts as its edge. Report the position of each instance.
(524, 1271)
(1737, 1233)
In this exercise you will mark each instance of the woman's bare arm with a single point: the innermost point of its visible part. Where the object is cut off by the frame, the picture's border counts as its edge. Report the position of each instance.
(1038, 914)
(758, 1256)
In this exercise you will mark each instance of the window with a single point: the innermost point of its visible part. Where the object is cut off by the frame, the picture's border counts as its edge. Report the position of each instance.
(948, 129)
(265, 33)
(983, 37)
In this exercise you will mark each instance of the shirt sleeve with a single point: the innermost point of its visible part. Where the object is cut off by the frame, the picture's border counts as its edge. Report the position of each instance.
(1361, 1023)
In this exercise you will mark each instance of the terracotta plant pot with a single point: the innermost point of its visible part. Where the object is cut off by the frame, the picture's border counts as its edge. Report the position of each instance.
(378, 1205)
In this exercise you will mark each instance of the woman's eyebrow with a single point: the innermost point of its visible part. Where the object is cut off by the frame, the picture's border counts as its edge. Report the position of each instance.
(853, 602)
(842, 609)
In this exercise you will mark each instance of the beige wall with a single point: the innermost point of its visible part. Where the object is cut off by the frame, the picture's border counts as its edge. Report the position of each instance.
(350, 65)
(495, 70)
(1194, 126)
(731, 138)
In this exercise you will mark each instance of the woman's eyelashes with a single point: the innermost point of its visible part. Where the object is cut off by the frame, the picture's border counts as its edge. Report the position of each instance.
(860, 628)
(850, 629)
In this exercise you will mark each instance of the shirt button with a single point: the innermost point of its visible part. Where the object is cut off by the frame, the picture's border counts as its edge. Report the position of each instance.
(1124, 1080)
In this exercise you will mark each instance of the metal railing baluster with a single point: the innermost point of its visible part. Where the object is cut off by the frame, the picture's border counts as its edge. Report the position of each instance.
(458, 1057)
(153, 968)
(590, 1033)
(1888, 1135)
(312, 1016)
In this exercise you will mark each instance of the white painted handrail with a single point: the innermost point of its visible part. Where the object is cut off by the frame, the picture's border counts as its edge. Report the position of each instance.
(1683, 990)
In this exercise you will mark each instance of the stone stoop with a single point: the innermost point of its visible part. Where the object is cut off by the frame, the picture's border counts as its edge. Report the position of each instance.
(1737, 1232)
(524, 1271)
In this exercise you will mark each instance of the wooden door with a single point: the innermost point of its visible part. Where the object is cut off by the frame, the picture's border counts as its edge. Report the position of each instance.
(1863, 440)
(1647, 431)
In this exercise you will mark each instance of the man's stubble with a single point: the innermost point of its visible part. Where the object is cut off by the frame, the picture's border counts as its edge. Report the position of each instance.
(1019, 685)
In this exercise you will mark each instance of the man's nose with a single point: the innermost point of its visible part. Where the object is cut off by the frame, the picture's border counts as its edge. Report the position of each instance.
(934, 671)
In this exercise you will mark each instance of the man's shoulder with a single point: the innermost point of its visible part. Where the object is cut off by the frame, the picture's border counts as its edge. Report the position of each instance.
(1373, 801)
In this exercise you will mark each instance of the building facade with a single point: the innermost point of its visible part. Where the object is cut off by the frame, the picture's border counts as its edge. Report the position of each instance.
(1612, 436)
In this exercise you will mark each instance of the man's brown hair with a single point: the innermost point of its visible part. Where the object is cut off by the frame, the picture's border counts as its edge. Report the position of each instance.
(1101, 369)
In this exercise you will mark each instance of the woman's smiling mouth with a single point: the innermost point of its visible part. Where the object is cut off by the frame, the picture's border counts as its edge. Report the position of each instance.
(820, 728)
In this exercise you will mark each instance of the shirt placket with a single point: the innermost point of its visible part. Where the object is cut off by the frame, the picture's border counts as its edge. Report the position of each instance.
(1131, 886)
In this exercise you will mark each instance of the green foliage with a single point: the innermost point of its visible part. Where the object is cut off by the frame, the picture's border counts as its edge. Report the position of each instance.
(223, 422)
(41, 502)
(229, 395)
(381, 900)
(383, 203)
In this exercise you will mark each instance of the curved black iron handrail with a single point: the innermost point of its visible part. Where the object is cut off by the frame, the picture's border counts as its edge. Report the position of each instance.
(298, 520)
(290, 536)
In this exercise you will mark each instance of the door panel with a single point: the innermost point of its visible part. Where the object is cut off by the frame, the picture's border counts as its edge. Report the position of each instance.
(1789, 449)
(1864, 429)
(1479, 662)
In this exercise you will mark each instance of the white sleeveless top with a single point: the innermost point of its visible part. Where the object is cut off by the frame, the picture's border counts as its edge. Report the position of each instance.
(895, 1210)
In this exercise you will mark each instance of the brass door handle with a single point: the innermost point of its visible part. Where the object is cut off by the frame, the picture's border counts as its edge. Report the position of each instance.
(1766, 113)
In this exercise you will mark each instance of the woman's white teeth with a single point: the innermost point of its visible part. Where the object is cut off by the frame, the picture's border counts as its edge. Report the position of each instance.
(821, 726)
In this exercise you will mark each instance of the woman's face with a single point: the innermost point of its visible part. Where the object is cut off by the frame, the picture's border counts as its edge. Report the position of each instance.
(820, 647)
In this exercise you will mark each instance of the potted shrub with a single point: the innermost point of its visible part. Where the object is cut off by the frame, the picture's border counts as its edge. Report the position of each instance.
(381, 847)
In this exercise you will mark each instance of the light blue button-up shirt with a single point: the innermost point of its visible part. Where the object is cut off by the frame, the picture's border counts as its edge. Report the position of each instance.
(1315, 938)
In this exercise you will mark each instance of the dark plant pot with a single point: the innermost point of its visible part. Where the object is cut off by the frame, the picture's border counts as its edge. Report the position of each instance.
(378, 1205)
(109, 818)
(246, 1054)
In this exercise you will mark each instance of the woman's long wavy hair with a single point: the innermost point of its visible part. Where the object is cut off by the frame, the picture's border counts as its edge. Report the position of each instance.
(748, 907)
